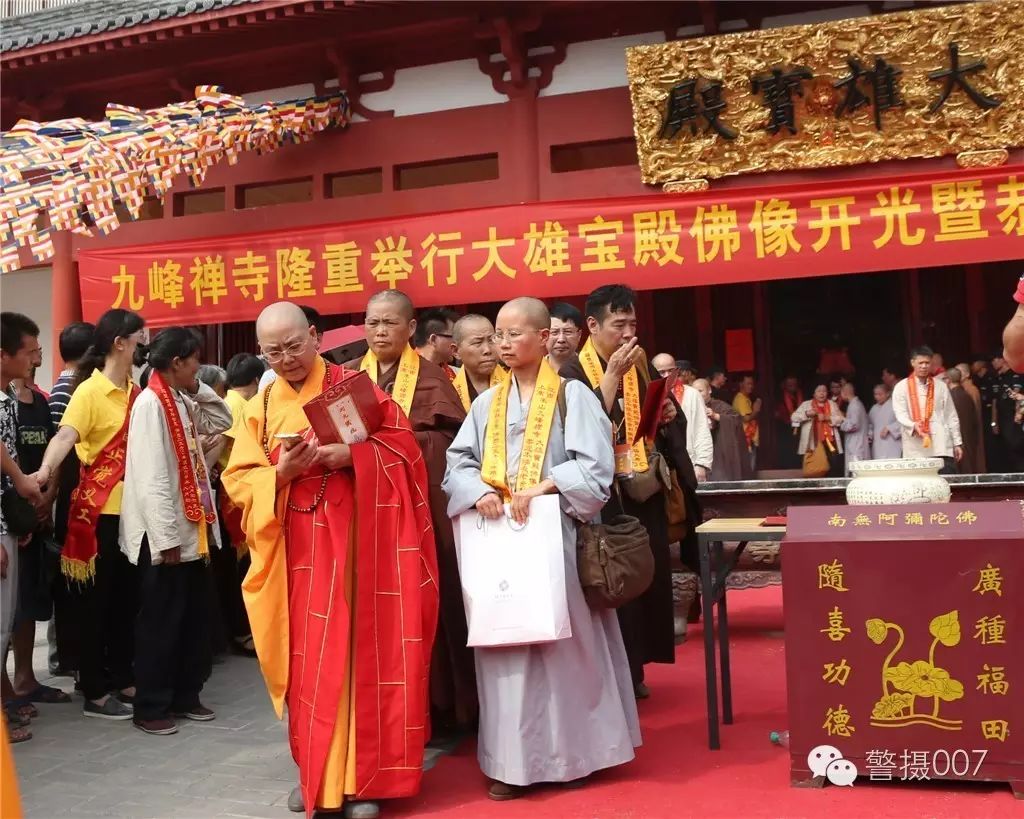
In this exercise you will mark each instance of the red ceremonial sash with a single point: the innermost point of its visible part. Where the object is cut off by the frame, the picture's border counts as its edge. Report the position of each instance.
(97, 481)
(188, 480)
(924, 420)
(825, 432)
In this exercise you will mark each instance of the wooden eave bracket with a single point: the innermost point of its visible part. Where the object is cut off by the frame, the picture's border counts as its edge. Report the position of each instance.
(517, 62)
(354, 88)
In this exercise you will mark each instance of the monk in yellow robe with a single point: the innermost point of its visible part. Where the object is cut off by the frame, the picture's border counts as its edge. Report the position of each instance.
(349, 656)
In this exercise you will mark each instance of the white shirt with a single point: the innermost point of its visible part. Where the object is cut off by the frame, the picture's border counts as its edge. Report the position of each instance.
(268, 378)
(699, 443)
(152, 503)
(945, 425)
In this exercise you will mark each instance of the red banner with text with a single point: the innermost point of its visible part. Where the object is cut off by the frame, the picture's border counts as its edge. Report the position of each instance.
(549, 249)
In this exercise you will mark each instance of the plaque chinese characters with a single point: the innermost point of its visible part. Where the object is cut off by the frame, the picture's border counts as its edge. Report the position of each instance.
(921, 83)
(903, 634)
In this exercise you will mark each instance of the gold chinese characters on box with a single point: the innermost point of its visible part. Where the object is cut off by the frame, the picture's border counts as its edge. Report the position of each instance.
(921, 83)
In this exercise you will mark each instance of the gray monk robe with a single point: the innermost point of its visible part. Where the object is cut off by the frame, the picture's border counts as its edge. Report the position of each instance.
(552, 712)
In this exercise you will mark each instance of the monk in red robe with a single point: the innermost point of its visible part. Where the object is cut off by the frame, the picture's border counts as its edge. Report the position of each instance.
(424, 391)
(342, 591)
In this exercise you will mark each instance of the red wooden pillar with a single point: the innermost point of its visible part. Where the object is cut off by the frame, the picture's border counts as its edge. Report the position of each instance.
(523, 157)
(766, 456)
(911, 286)
(65, 298)
(974, 291)
(705, 329)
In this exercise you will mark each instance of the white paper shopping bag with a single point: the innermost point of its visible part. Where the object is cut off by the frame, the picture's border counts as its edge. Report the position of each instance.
(513, 577)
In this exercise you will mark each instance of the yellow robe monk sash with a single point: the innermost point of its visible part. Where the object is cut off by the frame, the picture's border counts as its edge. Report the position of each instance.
(494, 469)
(405, 379)
(594, 369)
(461, 384)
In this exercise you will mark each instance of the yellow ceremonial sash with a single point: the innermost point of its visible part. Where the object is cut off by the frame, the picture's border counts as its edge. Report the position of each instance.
(461, 383)
(405, 378)
(494, 469)
(594, 369)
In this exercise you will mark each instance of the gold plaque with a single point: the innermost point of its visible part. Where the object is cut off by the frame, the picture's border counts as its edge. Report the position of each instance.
(890, 109)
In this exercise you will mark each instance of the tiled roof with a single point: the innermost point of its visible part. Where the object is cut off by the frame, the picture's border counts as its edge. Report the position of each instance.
(95, 17)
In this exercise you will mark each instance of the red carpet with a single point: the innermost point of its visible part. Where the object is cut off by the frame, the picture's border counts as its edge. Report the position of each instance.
(674, 773)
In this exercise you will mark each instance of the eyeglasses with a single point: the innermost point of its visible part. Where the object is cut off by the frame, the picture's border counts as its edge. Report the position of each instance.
(293, 350)
(512, 335)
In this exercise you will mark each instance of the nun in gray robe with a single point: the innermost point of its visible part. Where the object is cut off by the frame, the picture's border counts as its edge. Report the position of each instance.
(552, 712)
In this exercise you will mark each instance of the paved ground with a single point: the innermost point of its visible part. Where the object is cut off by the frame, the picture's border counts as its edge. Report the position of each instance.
(239, 765)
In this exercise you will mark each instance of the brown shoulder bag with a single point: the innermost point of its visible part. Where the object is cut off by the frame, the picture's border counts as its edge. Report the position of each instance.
(613, 559)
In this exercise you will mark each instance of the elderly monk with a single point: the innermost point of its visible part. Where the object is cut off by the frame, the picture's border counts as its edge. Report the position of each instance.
(426, 395)
(730, 445)
(699, 445)
(349, 657)
(554, 712)
(474, 340)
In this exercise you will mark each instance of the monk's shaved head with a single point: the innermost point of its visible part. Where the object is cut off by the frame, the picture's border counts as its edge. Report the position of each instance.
(280, 317)
(288, 340)
(663, 361)
(398, 299)
(702, 384)
(471, 324)
(533, 312)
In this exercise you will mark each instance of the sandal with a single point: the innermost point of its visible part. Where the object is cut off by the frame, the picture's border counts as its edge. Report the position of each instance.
(46, 694)
(14, 719)
(21, 706)
(501, 792)
(16, 735)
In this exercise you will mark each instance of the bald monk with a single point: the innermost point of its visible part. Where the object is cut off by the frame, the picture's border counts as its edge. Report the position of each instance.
(559, 711)
(348, 656)
(474, 343)
(426, 395)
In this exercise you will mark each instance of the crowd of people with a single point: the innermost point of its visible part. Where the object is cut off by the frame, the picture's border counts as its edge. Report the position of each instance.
(977, 411)
(158, 511)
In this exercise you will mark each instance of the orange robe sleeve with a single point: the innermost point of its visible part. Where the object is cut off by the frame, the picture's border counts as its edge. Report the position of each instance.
(251, 482)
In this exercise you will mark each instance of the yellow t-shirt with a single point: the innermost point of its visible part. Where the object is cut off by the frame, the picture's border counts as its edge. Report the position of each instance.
(96, 412)
(744, 406)
(236, 403)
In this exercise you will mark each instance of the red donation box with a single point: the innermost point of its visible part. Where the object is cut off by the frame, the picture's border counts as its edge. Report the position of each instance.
(905, 641)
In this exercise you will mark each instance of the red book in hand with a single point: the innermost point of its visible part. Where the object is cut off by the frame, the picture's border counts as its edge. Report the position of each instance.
(650, 415)
(347, 413)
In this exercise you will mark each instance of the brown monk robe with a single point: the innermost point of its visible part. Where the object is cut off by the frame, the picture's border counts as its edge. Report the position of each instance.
(970, 426)
(647, 623)
(427, 396)
(731, 461)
